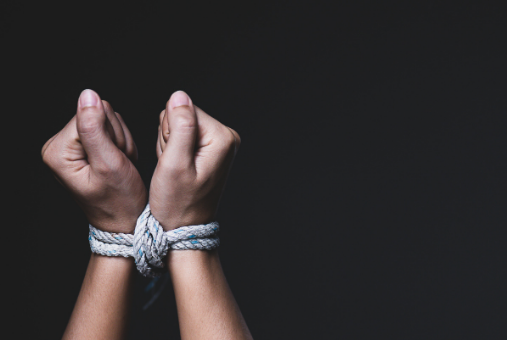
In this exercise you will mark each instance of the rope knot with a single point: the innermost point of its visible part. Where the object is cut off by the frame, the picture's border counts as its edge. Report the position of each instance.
(150, 243)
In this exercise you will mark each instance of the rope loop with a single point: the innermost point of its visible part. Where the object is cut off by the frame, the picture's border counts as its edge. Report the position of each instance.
(150, 243)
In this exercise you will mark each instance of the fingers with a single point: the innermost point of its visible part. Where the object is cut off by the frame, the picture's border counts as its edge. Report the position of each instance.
(122, 136)
(159, 147)
(216, 136)
(130, 146)
(63, 147)
(95, 133)
(118, 135)
(46, 145)
(182, 131)
(163, 130)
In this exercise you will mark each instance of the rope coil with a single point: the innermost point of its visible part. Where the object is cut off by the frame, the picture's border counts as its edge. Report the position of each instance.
(150, 243)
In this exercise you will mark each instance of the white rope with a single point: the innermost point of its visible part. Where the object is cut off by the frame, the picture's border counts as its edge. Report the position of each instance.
(150, 243)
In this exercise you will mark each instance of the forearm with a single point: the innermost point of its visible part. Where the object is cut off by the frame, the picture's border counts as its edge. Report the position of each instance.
(102, 307)
(206, 307)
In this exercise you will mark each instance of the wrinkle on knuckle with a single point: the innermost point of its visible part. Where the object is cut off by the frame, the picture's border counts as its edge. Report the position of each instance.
(48, 159)
(227, 140)
(47, 155)
(102, 169)
(47, 145)
(110, 169)
(184, 122)
(43, 152)
(89, 121)
(176, 170)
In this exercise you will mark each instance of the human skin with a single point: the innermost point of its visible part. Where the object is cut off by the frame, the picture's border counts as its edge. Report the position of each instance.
(103, 305)
(92, 157)
(195, 154)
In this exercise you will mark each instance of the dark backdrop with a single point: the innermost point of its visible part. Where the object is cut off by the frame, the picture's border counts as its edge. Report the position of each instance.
(367, 200)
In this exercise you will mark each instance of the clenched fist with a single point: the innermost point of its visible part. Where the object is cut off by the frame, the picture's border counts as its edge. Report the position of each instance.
(92, 157)
(195, 153)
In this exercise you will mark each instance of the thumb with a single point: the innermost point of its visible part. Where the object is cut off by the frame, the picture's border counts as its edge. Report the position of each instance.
(182, 124)
(94, 130)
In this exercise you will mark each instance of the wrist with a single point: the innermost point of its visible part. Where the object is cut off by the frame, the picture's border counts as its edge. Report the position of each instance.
(116, 271)
(117, 223)
(177, 220)
(192, 258)
(111, 262)
(125, 226)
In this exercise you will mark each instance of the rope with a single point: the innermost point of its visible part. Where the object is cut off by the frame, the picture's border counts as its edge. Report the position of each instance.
(150, 243)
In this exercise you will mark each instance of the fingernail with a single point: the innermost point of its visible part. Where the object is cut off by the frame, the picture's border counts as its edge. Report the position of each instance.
(88, 98)
(179, 98)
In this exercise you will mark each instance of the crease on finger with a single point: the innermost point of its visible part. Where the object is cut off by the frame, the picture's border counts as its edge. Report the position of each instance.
(159, 148)
(161, 139)
(117, 129)
(130, 145)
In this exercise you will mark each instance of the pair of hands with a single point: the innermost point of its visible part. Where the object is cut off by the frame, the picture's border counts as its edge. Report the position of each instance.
(93, 157)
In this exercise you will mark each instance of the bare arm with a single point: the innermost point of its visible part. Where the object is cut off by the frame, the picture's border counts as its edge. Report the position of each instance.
(92, 157)
(206, 307)
(102, 308)
(195, 154)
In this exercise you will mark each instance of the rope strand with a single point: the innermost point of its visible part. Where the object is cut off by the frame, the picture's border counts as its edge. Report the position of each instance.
(150, 243)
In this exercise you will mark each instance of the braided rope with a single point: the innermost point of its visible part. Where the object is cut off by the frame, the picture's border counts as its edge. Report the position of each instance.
(150, 243)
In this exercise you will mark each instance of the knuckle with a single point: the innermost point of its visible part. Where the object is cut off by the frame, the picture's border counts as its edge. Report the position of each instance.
(47, 154)
(48, 159)
(111, 168)
(89, 120)
(102, 169)
(107, 106)
(183, 121)
(179, 173)
(105, 170)
(237, 137)
(228, 140)
(43, 153)
(177, 170)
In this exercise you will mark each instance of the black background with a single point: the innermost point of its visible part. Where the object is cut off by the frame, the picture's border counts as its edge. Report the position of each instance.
(368, 197)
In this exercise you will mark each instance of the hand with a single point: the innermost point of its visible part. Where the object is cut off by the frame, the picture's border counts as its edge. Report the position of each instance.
(92, 157)
(195, 153)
